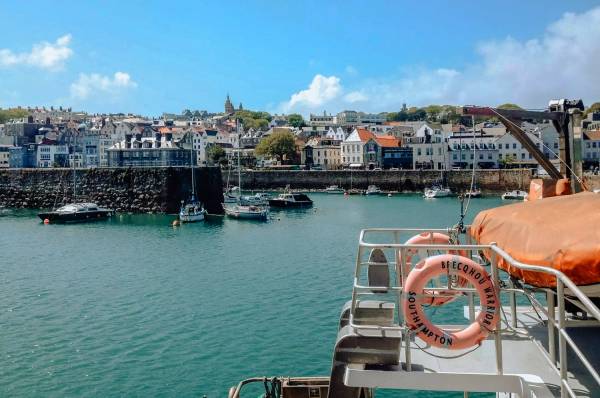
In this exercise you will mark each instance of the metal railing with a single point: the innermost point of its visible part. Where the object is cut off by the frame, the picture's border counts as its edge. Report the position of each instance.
(556, 320)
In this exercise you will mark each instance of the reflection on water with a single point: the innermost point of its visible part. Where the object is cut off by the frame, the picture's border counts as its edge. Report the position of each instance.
(134, 306)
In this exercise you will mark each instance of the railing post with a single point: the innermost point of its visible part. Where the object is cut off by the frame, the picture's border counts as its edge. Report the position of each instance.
(551, 320)
(497, 336)
(471, 299)
(400, 272)
(562, 344)
(513, 307)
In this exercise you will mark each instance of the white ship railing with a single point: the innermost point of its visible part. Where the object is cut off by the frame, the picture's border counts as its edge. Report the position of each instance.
(554, 326)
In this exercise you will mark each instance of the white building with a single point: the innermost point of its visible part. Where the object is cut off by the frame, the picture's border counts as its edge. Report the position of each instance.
(5, 156)
(467, 150)
(51, 155)
(352, 147)
(337, 134)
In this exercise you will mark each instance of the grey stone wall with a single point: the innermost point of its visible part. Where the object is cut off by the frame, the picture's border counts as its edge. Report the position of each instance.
(138, 190)
(402, 180)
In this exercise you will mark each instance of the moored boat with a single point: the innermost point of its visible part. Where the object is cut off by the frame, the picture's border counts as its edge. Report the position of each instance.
(473, 193)
(250, 212)
(437, 192)
(76, 212)
(373, 190)
(288, 200)
(334, 189)
(516, 194)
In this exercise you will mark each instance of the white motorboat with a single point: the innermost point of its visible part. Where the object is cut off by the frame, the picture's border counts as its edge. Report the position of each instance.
(334, 189)
(373, 190)
(258, 199)
(437, 192)
(250, 212)
(516, 194)
(473, 193)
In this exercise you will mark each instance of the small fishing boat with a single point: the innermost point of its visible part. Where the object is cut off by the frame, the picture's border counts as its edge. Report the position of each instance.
(373, 190)
(516, 194)
(291, 200)
(76, 212)
(473, 193)
(437, 192)
(246, 212)
(334, 189)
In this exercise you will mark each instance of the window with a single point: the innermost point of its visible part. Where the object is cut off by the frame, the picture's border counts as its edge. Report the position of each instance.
(489, 156)
(419, 152)
(556, 145)
(481, 156)
(499, 156)
(522, 155)
(499, 146)
(455, 157)
(514, 145)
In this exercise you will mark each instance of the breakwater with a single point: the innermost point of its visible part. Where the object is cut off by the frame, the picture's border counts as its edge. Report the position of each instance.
(136, 190)
(401, 180)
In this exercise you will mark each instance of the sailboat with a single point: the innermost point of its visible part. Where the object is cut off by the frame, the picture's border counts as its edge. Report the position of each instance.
(193, 210)
(243, 210)
(76, 212)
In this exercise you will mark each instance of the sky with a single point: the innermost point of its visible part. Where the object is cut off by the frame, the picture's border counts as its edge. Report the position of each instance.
(149, 57)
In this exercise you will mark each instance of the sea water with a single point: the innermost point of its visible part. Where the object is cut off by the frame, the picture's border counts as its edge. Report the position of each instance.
(135, 307)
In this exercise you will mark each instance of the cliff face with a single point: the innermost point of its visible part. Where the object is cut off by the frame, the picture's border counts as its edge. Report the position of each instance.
(401, 180)
(139, 190)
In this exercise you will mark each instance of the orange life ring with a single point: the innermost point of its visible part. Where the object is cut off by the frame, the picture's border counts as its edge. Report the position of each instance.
(477, 276)
(435, 238)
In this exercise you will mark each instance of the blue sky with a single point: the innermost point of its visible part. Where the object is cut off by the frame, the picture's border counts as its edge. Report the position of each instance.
(307, 56)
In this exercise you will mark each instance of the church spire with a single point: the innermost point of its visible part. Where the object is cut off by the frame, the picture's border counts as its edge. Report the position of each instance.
(228, 105)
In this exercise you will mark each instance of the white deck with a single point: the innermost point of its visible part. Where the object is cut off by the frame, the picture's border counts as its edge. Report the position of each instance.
(526, 368)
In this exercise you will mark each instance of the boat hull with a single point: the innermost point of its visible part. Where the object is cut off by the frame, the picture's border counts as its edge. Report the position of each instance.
(191, 217)
(245, 215)
(289, 204)
(56, 217)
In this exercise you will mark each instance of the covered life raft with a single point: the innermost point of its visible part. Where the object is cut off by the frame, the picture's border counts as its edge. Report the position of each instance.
(561, 232)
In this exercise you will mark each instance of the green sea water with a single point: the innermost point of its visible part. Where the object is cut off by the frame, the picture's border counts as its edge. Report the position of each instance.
(135, 307)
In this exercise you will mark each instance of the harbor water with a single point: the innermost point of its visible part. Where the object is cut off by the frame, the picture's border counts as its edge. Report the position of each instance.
(135, 307)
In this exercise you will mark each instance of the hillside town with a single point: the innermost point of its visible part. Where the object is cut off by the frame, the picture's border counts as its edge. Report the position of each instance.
(50, 138)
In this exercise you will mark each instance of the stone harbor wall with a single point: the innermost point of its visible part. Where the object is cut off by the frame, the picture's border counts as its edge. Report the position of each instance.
(497, 181)
(136, 190)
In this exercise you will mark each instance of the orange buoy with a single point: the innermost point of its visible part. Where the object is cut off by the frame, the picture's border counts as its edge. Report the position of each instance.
(175, 223)
(46, 221)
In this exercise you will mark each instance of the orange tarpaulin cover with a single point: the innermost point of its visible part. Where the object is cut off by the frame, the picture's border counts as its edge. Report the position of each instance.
(561, 232)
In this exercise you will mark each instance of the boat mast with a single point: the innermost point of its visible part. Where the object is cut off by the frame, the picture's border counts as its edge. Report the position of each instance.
(237, 127)
(192, 166)
(74, 178)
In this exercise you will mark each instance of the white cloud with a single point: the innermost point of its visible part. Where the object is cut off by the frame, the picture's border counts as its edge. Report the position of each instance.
(355, 96)
(89, 84)
(321, 90)
(561, 63)
(44, 55)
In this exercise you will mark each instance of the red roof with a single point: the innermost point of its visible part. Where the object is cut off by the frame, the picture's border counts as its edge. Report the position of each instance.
(365, 135)
(388, 141)
(593, 135)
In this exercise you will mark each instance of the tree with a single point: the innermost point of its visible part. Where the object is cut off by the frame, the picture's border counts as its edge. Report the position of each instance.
(14, 113)
(215, 154)
(595, 107)
(255, 120)
(279, 145)
(296, 120)
(509, 106)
